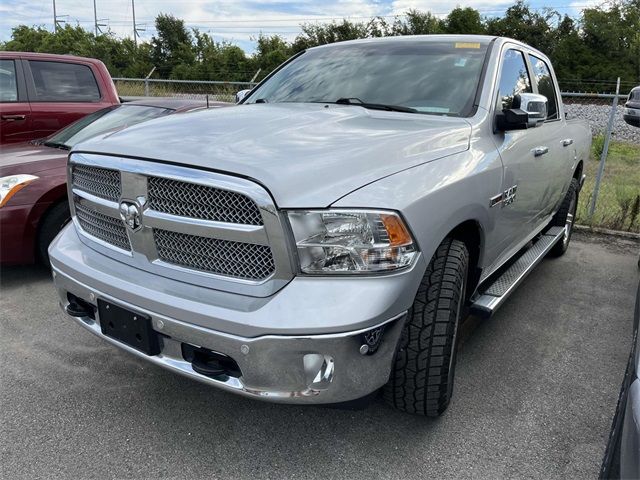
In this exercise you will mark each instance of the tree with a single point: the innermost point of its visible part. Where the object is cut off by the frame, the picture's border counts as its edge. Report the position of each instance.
(172, 46)
(417, 23)
(270, 52)
(464, 21)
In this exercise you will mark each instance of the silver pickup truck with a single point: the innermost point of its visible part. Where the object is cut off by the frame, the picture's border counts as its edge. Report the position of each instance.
(325, 238)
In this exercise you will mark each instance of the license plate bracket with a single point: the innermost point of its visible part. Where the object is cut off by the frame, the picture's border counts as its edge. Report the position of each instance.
(131, 328)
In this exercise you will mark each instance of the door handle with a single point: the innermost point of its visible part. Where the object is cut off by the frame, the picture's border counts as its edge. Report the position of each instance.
(539, 151)
(13, 118)
(567, 141)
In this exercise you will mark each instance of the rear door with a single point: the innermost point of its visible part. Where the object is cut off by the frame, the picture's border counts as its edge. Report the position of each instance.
(15, 112)
(553, 134)
(60, 93)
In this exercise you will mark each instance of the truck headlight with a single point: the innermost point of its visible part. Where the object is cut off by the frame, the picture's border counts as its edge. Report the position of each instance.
(12, 184)
(351, 241)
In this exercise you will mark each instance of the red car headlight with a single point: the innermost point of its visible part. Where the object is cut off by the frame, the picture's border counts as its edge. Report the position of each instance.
(12, 184)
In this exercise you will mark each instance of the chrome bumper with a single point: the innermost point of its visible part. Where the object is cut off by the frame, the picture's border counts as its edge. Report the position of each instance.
(303, 367)
(307, 369)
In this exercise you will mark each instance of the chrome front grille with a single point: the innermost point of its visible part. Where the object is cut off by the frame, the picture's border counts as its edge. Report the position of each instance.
(222, 257)
(200, 201)
(101, 182)
(108, 229)
(191, 225)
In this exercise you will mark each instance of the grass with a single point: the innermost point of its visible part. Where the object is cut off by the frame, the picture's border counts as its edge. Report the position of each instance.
(618, 203)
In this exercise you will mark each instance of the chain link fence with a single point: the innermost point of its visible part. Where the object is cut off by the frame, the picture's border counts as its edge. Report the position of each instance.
(618, 197)
(200, 90)
(614, 201)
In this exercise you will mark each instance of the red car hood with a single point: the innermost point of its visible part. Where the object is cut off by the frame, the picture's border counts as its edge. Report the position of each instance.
(29, 158)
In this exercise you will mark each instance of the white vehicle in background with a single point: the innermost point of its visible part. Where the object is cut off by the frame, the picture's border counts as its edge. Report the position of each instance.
(631, 112)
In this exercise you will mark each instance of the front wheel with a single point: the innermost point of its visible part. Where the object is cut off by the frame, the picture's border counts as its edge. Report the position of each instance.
(565, 217)
(421, 380)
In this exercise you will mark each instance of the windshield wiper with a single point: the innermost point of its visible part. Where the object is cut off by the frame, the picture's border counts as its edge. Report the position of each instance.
(375, 106)
(59, 145)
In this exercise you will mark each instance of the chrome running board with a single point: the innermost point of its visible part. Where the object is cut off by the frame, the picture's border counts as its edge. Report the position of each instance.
(497, 292)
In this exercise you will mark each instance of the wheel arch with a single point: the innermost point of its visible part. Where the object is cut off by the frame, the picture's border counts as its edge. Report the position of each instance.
(577, 172)
(40, 221)
(470, 232)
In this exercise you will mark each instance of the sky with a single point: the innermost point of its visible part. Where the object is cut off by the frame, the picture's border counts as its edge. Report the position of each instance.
(239, 21)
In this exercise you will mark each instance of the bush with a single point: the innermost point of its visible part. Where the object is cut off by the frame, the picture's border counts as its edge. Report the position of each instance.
(597, 145)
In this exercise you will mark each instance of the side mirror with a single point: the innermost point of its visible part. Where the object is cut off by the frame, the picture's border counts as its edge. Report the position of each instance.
(241, 94)
(528, 110)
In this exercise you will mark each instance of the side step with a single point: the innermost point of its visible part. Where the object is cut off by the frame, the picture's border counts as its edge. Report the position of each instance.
(495, 294)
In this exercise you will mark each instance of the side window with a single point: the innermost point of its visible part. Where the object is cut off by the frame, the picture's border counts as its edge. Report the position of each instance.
(8, 81)
(63, 82)
(514, 79)
(543, 80)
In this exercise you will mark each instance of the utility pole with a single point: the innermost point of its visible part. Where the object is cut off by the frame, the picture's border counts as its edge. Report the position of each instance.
(96, 20)
(55, 18)
(135, 27)
(95, 17)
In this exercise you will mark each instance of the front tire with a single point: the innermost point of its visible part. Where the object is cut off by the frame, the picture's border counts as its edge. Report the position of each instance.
(421, 380)
(565, 217)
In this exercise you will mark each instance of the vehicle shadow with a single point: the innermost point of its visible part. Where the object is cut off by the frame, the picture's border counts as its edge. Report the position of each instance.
(20, 275)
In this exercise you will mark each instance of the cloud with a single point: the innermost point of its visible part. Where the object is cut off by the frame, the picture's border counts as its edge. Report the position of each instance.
(228, 19)
(237, 21)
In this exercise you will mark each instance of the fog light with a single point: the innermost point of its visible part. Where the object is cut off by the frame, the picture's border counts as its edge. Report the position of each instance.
(318, 370)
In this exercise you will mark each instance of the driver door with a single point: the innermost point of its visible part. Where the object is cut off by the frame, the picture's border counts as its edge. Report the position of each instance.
(518, 205)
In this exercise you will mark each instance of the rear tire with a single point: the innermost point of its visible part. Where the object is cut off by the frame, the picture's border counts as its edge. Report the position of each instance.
(421, 380)
(565, 217)
(56, 218)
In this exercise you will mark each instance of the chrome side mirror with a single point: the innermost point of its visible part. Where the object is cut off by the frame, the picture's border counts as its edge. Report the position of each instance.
(241, 94)
(528, 110)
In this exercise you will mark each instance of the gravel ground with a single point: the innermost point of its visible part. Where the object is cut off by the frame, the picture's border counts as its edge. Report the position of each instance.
(535, 394)
(598, 118)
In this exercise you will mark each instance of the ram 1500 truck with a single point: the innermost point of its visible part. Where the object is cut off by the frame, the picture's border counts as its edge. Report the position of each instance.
(325, 238)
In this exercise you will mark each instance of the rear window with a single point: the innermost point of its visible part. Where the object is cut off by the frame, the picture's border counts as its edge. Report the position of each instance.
(63, 82)
(8, 84)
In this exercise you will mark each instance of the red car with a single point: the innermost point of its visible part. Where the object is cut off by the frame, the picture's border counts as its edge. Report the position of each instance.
(33, 193)
(41, 93)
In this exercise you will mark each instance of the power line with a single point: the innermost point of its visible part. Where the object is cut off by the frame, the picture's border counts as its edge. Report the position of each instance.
(328, 18)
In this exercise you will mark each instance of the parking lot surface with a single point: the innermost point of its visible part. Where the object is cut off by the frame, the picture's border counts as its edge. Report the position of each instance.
(535, 393)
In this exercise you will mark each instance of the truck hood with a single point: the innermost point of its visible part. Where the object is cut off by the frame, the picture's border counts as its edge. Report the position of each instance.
(306, 155)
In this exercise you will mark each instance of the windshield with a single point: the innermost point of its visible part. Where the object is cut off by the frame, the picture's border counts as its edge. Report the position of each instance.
(431, 77)
(117, 116)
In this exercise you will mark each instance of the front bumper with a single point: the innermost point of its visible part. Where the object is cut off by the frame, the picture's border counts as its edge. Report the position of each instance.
(18, 227)
(304, 367)
(631, 116)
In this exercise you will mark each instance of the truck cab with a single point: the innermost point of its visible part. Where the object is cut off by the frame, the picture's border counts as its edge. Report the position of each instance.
(42, 93)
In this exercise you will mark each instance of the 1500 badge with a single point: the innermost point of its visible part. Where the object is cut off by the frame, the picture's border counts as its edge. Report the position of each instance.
(505, 198)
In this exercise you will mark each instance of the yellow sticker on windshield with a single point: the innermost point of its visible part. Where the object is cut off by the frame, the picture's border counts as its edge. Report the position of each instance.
(467, 45)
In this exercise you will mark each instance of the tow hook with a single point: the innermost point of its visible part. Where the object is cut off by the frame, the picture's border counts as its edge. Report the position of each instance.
(79, 308)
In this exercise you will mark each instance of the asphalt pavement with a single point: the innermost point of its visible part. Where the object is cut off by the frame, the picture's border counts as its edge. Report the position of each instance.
(535, 393)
